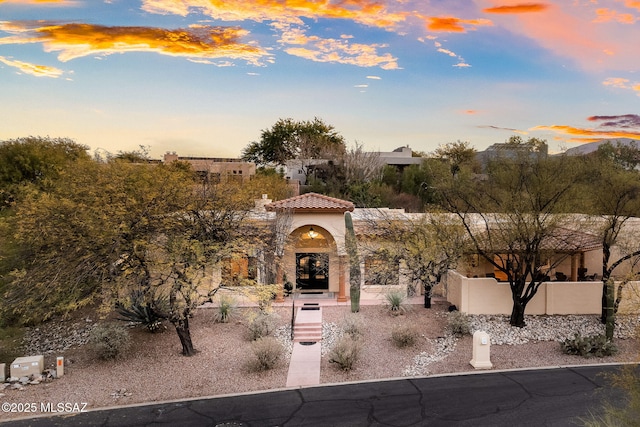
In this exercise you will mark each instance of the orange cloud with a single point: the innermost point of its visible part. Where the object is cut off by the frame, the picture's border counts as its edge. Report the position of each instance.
(454, 25)
(33, 69)
(567, 29)
(609, 15)
(368, 12)
(78, 40)
(622, 83)
(570, 130)
(38, 1)
(632, 4)
(518, 8)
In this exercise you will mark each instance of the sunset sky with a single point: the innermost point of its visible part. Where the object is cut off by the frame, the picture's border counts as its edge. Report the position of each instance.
(204, 77)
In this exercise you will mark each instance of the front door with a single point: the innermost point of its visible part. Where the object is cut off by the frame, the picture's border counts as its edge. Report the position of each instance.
(312, 271)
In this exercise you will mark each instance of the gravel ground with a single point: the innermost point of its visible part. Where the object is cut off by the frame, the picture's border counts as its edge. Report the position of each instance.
(154, 370)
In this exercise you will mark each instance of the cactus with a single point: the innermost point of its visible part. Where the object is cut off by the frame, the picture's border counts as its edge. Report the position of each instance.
(354, 264)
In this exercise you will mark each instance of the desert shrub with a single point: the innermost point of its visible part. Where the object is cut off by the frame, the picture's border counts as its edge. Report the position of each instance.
(267, 351)
(110, 340)
(262, 325)
(620, 411)
(353, 325)
(143, 312)
(225, 310)
(404, 335)
(596, 345)
(395, 301)
(458, 323)
(345, 353)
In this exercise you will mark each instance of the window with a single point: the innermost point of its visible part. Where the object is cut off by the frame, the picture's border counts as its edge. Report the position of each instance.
(235, 269)
(380, 269)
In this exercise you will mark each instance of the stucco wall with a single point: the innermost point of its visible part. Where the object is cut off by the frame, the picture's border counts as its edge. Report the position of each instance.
(487, 296)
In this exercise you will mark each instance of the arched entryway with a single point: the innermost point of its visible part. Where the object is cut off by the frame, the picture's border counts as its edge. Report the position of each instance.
(314, 255)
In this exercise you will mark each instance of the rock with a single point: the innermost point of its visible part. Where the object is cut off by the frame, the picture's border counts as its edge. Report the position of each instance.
(120, 393)
(17, 386)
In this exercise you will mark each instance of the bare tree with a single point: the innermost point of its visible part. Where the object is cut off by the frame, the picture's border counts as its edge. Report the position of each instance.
(514, 217)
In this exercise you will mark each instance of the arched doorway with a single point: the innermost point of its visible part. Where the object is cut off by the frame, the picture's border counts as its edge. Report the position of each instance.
(314, 252)
(312, 271)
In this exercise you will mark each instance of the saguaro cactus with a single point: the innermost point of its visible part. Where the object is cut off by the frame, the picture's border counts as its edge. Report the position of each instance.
(354, 264)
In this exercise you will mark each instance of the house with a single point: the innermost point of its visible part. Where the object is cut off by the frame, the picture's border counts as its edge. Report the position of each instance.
(314, 259)
(300, 169)
(216, 168)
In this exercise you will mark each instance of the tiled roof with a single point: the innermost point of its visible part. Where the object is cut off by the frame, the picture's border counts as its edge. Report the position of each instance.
(311, 202)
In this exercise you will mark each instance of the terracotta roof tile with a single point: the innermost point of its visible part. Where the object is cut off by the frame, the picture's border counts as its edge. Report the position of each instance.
(311, 202)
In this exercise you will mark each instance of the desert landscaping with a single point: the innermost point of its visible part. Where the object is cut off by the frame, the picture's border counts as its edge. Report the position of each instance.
(153, 369)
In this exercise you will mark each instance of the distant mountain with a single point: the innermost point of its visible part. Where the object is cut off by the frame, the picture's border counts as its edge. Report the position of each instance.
(590, 147)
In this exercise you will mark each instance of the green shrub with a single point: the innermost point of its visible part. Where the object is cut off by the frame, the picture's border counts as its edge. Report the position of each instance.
(395, 301)
(353, 325)
(458, 323)
(345, 353)
(596, 345)
(262, 325)
(110, 340)
(267, 351)
(404, 335)
(144, 313)
(226, 307)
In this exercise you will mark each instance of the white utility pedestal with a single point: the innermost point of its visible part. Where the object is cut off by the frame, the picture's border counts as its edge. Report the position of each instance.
(481, 351)
(59, 367)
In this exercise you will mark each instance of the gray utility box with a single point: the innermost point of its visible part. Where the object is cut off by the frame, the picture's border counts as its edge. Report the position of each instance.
(25, 366)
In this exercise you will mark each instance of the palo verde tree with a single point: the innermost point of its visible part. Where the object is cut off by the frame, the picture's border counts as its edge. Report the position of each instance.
(93, 225)
(34, 163)
(111, 228)
(514, 216)
(613, 186)
(426, 245)
(176, 255)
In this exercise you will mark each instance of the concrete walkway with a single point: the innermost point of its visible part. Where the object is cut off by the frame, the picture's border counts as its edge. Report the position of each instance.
(304, 367)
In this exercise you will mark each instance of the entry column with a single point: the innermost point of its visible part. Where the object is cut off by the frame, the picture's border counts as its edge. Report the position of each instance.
(342, 291)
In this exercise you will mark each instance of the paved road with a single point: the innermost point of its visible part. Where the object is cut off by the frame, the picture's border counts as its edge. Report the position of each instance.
(553, 397)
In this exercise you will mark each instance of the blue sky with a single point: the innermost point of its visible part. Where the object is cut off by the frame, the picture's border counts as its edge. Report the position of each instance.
(204, 77)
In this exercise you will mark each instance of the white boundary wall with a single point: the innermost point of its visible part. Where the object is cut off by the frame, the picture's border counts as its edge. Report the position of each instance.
(488, 296)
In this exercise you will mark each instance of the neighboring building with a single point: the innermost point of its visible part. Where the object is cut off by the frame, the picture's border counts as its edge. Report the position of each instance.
(215, 168)
(299, 169)
(400, 157)
(506, 150)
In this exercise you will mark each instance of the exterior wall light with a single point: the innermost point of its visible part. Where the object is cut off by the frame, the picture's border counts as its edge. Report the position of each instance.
(312, 233)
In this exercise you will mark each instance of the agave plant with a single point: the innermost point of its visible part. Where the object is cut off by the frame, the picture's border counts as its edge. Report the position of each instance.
(226, 307)
(395, 301)
(148, 314)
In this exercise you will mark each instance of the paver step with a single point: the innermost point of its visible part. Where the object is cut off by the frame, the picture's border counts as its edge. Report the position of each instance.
(307, 332)
(310, 328)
